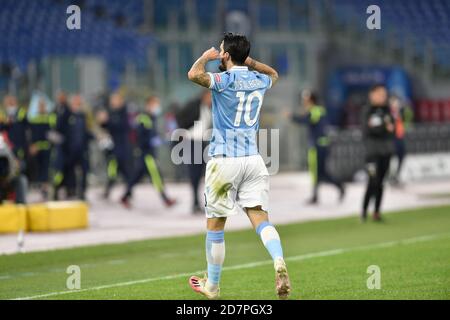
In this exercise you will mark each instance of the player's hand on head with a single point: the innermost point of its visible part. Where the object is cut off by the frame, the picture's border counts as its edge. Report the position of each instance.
(211, 54)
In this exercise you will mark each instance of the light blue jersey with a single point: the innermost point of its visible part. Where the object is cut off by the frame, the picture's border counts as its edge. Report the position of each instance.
(237, 97)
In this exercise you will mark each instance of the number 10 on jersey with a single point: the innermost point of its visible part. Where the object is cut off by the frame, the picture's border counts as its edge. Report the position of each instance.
(247, 103)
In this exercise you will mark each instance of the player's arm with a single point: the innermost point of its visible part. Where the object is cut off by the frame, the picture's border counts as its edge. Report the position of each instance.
(262, 68)
(198, 73)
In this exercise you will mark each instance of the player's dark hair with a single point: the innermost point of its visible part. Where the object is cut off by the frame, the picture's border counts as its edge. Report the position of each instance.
(237, 46)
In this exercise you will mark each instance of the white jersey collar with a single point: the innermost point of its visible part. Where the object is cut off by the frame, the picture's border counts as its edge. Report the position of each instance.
(239, 68)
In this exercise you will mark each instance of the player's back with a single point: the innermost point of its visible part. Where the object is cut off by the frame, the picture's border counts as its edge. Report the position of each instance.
(237, 99)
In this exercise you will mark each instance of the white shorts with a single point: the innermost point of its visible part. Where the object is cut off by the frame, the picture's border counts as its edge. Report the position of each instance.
(235, 183)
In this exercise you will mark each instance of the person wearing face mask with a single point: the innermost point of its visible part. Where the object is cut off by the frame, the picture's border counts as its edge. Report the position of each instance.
(378, 134)
(14, 122)
(147, 144)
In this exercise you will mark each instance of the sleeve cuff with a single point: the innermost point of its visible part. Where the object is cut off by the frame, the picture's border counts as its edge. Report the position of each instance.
(212, 82)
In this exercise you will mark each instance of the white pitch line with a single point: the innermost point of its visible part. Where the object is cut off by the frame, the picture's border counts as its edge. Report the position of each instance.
(250, 265)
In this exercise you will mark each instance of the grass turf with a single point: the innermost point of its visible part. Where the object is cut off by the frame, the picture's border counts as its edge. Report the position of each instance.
(326, 260)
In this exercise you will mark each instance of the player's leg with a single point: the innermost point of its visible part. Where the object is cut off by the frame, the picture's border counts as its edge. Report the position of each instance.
(222, 176)
(215, 251)
(271, 240)
(215, 256)
(253, 195)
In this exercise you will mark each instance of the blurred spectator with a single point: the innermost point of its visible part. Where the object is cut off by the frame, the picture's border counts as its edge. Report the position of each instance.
(314, 116)
(196, 117)
(72, 164)
(115, 121)
(403, 117)
(147, 144)
(61, 103)
(378, 130)
(40, 147)
(14, 122)
(170, 126)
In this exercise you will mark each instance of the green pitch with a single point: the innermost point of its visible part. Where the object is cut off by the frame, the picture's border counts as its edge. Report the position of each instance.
(326, 260)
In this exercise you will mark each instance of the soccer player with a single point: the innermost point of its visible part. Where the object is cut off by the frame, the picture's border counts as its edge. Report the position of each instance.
(236, 175)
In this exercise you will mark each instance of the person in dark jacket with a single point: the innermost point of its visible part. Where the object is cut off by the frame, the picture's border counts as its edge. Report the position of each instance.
(116, 123)
(61, 103)
(314, 116)
(147, 144)
(378, 132)
(14, 122)
(196, 118)
(75, 134)
(40, 148)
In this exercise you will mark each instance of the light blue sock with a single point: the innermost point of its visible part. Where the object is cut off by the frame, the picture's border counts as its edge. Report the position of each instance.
(270, 239)
(215, 256)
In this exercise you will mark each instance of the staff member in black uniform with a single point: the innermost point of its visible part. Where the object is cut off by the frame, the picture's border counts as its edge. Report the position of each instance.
(147, 136)
(40, 148)
(378, 131)
(14, 122)
(74, 157)
(116, 123)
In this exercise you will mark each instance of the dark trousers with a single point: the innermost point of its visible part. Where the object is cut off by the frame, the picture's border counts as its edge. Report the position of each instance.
(71, 171)
(17, 187)
(76, 170)
(400, 152)
(42, 159)
(116, 163)
(317, 163)
(377, 168)
(196, 170)
(146, 164)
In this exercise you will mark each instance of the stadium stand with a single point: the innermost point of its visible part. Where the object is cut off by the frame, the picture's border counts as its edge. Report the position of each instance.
(35, 30)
